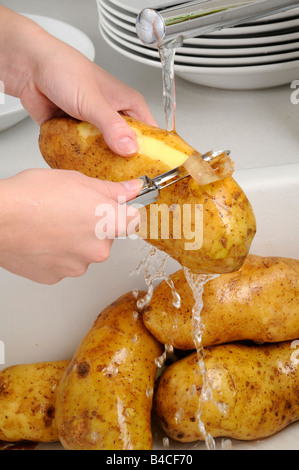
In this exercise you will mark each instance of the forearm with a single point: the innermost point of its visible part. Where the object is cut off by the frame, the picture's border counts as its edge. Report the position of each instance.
(19, 39)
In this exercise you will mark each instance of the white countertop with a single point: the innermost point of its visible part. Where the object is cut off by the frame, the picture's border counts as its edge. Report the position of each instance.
(260, 127)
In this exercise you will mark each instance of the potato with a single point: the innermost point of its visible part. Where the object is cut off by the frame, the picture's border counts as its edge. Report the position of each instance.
(68, 144)
(257, 386)
(105, 397)
(259, 303)
(217, 236)
(28, 400)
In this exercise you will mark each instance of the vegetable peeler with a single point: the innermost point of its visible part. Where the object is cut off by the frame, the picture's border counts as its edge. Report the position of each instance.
(150, 191)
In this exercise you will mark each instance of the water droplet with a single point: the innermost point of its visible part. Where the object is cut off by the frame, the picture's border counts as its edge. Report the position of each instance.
(135, 315)
(135, 293)
(179, 415)
(94, 437)
(149, 392)
(226, 444)
(165, 442)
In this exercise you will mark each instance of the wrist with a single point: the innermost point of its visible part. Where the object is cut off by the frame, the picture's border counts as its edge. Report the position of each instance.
(19, 40)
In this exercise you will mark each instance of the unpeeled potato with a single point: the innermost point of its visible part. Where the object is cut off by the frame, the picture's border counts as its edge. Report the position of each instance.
(259, 303)
(105, 396)
(255, 393)
(219, 233)
(28, 401)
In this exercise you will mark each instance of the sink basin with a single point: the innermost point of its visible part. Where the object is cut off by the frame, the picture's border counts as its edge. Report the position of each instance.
(45, 323)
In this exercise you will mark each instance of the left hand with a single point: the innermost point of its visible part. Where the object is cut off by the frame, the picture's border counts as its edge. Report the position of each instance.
(51, 77)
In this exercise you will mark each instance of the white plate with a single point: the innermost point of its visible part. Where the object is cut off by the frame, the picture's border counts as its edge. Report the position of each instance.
(207, 61)
(135, 6)
(243, 42)
(12, 111)
(240, 51)
(209, 51)
(228, 78)
(258, 29)
(202, 60)
(117, 21)
(243, 78)
(67, 33)
(285, 15)
(117, 11)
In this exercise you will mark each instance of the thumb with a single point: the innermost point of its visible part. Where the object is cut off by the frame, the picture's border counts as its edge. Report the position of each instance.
(124, 191)
(117, 133)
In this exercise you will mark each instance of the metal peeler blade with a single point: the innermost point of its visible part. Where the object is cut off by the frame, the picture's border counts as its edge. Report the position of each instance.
(150, 191)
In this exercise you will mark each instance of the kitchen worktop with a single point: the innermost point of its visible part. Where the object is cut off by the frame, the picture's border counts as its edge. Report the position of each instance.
(45, 323)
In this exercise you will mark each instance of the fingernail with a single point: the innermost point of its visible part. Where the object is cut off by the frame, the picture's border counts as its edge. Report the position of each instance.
(127, 145)
(132, 185)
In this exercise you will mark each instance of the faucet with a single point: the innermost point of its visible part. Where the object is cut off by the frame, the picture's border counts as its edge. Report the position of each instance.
(175, 21)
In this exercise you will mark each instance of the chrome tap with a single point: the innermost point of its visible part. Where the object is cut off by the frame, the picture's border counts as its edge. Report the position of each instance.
(176, 21)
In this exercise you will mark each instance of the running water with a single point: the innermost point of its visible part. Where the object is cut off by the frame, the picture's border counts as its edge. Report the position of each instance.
(197, 283)
(167, 55)
(153, 267)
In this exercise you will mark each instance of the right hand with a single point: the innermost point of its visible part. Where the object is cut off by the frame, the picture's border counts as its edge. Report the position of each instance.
(48, 222)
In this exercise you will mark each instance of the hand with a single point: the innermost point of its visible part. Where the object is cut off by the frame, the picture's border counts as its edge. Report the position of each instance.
(50, 76)
(49, 223)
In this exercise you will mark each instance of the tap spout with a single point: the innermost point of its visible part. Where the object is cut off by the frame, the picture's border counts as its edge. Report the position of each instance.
(177, 21)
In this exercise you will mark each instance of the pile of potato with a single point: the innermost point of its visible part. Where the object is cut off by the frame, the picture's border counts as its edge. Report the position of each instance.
(103, 398)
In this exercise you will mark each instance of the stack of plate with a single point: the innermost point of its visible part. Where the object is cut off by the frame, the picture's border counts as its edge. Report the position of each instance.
(260, 54)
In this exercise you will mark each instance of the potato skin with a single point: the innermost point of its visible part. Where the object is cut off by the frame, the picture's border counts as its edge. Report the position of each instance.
(229, 224)
(28, 401)
(259, 303)
(105, 397)
(259, 385)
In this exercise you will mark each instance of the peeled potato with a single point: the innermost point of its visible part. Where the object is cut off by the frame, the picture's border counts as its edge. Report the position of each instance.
(259, 303)
(217, 232)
